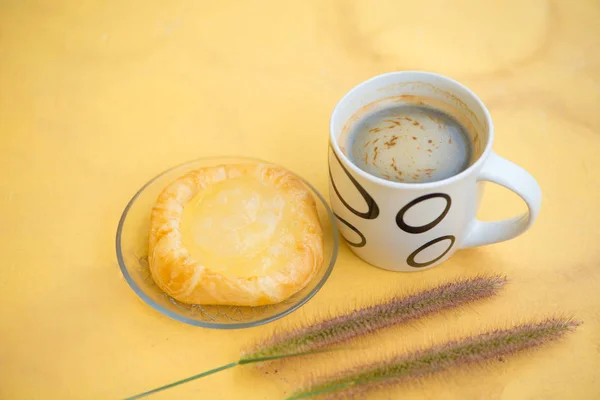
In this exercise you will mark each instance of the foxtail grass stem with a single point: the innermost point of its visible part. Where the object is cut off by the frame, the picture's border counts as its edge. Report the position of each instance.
(326, 334)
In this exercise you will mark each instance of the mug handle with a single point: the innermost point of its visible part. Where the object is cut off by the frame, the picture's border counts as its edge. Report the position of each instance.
(508, 174)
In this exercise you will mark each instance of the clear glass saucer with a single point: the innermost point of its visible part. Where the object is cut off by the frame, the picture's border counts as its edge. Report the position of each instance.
(132, 254)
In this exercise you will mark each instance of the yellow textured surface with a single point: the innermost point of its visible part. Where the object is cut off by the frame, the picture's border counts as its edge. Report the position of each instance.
(96, 97)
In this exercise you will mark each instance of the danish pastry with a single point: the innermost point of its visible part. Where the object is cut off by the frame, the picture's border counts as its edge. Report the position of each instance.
(239, 234)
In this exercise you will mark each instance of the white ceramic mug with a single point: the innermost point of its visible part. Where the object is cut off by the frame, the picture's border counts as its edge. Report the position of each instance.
(414, 226)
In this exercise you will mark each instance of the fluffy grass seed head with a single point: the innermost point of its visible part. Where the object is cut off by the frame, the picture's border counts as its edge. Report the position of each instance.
(333, 331)
(453, 354)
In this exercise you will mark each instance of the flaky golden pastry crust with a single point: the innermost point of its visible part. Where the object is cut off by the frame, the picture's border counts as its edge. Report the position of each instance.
(292, 232)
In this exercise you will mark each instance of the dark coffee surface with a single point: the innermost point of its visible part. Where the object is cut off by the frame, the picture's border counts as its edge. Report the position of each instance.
(409, 143)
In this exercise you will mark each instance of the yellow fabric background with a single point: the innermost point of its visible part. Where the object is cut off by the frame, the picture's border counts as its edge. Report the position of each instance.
(97, 97)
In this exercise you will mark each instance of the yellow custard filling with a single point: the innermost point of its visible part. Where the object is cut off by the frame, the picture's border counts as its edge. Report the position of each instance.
(237, 226)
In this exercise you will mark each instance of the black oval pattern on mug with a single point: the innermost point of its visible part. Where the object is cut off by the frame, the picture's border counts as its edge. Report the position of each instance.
(363, 239)
(424, 228)
(373, 210)
(411, 259)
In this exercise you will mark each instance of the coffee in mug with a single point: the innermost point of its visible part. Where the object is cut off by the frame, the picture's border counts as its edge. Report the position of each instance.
(411, 139)
(409, 153)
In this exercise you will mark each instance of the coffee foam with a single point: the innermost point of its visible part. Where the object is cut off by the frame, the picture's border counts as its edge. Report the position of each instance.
(410, 138)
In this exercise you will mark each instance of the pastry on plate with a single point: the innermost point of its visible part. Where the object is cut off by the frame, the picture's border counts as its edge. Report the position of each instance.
(239, 234)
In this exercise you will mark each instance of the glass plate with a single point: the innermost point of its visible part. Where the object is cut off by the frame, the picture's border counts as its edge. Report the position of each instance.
(132, 253)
